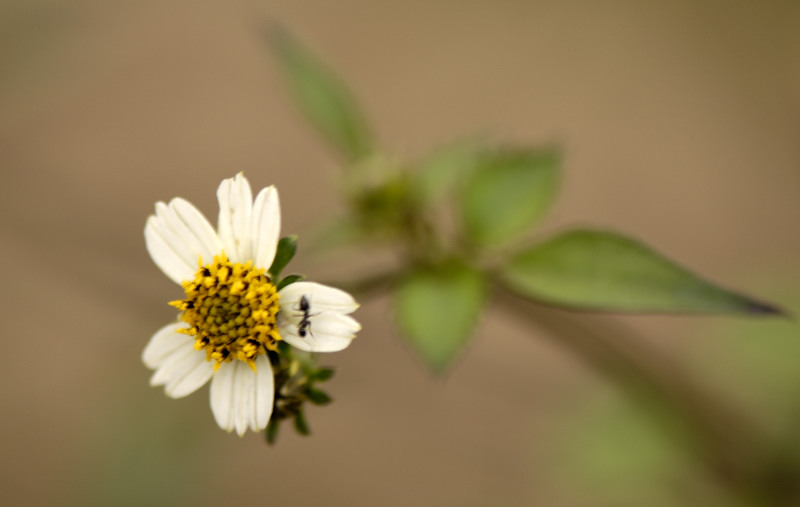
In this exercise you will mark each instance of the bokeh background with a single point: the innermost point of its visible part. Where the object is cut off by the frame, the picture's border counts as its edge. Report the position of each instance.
(680, 122)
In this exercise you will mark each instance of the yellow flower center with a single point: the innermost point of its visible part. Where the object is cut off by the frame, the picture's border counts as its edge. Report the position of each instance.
(230, 309)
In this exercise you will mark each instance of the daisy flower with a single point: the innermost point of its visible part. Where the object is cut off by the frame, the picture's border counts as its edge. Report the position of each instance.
(232, 313)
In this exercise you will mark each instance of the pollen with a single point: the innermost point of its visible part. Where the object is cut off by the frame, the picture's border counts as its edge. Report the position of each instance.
(231, 311)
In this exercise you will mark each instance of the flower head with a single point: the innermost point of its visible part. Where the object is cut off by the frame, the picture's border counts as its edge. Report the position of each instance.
(232, 314)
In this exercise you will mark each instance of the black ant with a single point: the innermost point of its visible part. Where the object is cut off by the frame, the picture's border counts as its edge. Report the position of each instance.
(304, 326)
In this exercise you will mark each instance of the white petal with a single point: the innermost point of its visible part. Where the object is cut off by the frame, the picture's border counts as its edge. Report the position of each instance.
(329, 328)
(328, 332)
(204, 234)
(183, 371)
(159, 245)
(235, 208)
(193, 374)
(222, 395)
(164, 342)
(264, 394)
(265, 227)
(164, 373)
(187, 230)
(242, 398)
(177, 240)
(244, 391)
(321, 298)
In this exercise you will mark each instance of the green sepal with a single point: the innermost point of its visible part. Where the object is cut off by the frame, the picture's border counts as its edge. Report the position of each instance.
(300, 423)
(284, 350)
(288, 280)
(605, 271)
(317, 396)
(437, 309)
(287, 247)
(323, 98)
(508, 193)
(321, 374)
(271, 433)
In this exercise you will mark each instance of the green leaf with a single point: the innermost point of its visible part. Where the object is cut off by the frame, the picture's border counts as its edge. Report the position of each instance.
(598, 270)
(323, 98)
(443, 169)
(437, 310)
(288, 280)
(508, 193)
(285, 252)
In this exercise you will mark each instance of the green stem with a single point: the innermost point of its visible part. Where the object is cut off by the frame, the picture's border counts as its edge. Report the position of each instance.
(373, 284)
(729, 443)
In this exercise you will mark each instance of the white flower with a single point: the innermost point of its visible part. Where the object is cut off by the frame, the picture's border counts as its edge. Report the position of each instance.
(232, 313)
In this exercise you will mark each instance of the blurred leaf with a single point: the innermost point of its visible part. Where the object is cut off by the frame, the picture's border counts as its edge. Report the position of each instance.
(323, 98)
(288, 280)
(437, 310)
(599, 270)
(440, 171)
(286, 249)
(318, 397)
(508, 194)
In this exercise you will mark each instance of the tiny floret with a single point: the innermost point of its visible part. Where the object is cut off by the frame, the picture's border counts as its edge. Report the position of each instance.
(230, 310)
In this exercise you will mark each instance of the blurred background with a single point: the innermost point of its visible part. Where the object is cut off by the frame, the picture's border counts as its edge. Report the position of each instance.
(680, 123)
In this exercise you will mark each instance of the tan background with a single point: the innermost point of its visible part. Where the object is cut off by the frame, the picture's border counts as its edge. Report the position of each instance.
(680, 120)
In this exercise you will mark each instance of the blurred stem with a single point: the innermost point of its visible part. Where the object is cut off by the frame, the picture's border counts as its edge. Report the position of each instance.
(373, 284)
(729, 443)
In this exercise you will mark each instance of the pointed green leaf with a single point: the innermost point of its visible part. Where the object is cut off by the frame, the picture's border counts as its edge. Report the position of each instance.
(598, 270)
(323, 98)
(283, 255)
(508, 193)
(437, 310)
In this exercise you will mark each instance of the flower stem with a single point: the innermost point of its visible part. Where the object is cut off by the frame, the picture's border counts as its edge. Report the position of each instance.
(729, 444)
